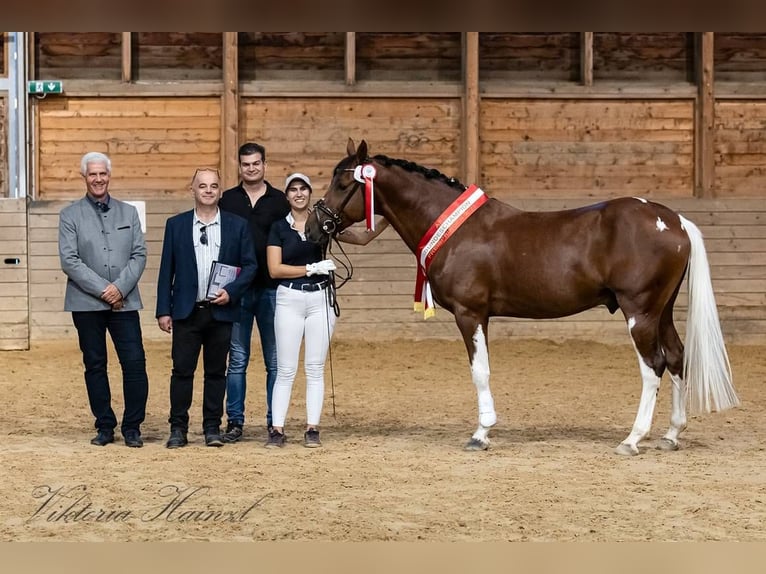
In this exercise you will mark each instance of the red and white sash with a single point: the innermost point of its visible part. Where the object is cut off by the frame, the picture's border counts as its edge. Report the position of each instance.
(441, 230)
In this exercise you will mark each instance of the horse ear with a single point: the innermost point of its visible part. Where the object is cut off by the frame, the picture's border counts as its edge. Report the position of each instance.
(350, 147)
(361, 151)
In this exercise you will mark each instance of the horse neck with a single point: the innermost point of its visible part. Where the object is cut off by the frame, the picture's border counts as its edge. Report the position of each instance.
(410, 202)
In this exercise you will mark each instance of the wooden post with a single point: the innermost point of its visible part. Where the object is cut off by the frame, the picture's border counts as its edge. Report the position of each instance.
(471, 103)
(704, 117)
(127, 56)
(230, 111)
(586, 58)
(350, 58)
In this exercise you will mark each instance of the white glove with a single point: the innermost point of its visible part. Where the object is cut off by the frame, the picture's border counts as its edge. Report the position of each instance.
(320, 267)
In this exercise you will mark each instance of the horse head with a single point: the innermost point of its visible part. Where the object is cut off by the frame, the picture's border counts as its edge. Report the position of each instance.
(343, 203)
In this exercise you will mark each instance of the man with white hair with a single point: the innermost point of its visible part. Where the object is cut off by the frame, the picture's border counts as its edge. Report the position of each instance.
(103, 254)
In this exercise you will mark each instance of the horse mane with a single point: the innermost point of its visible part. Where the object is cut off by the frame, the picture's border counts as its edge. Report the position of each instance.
(428, 173)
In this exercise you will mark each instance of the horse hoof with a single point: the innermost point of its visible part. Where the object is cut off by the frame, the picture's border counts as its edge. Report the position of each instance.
(626, 450)
(476, 444)
(667, 445)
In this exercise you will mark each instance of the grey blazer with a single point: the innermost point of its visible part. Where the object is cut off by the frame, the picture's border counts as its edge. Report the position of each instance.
(98, 248)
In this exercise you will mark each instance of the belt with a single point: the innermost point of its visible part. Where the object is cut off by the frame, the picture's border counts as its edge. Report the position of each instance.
(307, 286)
(202, 304)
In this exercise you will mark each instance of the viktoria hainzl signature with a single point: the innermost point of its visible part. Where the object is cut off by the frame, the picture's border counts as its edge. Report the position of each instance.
(181, 504)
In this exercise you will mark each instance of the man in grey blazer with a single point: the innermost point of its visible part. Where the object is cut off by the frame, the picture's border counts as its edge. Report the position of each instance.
(103, 254)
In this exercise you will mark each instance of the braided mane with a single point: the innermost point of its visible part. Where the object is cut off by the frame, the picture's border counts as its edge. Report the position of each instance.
(416, 168)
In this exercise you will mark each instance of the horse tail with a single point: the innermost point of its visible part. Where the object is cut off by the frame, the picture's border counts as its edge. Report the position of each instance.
(706, 363)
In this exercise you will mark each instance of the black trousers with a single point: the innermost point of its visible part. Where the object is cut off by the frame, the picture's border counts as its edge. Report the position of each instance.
(125, 330)
(200, 331)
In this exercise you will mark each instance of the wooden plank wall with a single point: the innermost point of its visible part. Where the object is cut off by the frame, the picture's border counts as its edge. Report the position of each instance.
(3, 146)
(426, 56)
(310, 134)
(740, 57)
(78, 55)
(173, 56)
(546, 142)
(740, 148)
(530, 56)
(377, 303)
(664, 57)
(291, 55)
(154, 143)
(14, 297)
(590, 148)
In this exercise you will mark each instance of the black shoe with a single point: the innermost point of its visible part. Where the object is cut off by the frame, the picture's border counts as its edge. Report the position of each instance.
(233, 433)
(213, 438)
(133, 438)
(103, 438)
(177, 439)
(276, 439)
(311, 439)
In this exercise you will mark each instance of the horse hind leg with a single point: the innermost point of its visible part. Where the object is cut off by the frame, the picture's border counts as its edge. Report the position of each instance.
(674, 358)
(651, 362)
(474, 337)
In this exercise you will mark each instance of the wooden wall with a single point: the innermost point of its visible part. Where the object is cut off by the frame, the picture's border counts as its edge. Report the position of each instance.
(14, 280)
(740, 148)
(544, 120)
(529, 56)
(591, 148)
(81, 55)
(291, 55)
(3, 146)
(154, 143)
(310, 134)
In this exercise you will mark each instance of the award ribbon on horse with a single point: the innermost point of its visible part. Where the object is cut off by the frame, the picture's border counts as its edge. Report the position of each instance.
(441, 230)
(366, 174)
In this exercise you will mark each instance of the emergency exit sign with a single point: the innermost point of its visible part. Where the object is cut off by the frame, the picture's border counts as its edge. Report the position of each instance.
(45, 87)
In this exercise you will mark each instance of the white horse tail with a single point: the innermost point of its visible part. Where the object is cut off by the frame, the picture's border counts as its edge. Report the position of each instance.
(706, 363)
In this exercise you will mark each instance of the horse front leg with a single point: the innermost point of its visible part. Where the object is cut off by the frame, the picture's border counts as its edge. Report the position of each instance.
(478, 355)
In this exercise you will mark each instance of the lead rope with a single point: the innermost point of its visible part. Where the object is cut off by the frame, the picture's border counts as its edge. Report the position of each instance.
(332, 303)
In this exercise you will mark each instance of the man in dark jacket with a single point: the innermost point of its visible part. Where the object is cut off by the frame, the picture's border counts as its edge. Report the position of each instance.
(196, 315)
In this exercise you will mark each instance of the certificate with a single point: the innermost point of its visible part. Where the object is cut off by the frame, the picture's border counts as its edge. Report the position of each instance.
(220, 276)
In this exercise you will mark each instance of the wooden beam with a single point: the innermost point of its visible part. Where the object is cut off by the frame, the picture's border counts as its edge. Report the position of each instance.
(471, 103)
(230, 111)
(350, 58)
(586, 58)
(704, 117)
(127, 57)
(31, 54)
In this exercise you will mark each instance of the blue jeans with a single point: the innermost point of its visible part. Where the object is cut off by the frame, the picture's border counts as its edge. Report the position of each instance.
(125, 330)
(258, 304)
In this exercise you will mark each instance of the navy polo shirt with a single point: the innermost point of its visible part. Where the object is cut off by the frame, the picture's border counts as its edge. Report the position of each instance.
(295, 250)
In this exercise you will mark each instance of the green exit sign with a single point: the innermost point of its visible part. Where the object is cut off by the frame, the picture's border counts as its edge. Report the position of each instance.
(45, 87)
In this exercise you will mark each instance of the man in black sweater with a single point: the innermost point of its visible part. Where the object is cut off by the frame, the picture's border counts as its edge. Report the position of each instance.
(257, 201)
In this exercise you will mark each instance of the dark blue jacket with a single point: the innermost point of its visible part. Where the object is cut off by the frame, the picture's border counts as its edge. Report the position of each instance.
(177, 279)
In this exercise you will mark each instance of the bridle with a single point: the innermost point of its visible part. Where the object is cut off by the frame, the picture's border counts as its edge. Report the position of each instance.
(334, 217)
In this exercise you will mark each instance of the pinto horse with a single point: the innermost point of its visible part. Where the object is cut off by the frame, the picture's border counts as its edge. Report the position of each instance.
(628, 254)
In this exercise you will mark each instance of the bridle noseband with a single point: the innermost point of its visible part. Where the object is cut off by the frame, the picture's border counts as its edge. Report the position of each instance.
(334, 217)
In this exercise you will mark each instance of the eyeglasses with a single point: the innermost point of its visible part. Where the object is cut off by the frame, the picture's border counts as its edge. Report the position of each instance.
(203, 235)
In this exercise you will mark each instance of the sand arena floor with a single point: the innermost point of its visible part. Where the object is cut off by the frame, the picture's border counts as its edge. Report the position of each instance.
(392, 466)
